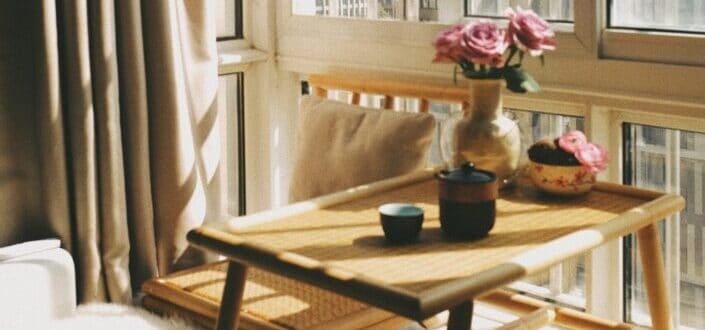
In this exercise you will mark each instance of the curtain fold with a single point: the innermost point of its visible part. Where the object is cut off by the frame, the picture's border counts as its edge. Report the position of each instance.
(121, 88)
(133, 98)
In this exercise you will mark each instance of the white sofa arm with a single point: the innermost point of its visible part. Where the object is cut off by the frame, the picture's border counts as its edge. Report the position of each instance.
(27, 248)
(37, 284)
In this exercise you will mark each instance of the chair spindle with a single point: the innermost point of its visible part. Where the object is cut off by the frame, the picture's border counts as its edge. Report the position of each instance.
(320, 92)
(423, 107)
(388, 102)
(355, 98)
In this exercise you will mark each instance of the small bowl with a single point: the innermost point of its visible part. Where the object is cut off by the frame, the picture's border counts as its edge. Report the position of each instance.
(561, 180)
(401, 222)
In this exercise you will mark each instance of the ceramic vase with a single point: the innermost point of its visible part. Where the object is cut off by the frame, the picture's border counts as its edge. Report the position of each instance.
(484, 135)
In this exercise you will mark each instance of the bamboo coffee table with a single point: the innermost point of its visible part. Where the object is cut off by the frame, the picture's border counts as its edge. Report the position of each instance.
(336, 242)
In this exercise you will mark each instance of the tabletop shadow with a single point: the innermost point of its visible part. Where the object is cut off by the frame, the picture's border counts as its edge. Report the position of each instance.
(431, 241)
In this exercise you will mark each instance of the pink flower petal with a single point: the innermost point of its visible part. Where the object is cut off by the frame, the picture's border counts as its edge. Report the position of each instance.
(529, 32)
(571, 141)
(593, 157)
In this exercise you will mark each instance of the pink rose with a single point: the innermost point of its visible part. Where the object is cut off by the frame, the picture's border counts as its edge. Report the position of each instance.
(592, 156)
(529, 32)
(571, 141)
(483, 43)
(447, 45)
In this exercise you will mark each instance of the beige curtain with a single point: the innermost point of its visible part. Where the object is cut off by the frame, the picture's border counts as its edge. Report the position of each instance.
(124, 92)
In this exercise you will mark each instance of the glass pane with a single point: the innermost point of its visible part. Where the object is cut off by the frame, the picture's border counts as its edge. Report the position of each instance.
(676, 15)
(666, 159)
(566, 282)
(552, 10)
(230, 110)
(228, 23)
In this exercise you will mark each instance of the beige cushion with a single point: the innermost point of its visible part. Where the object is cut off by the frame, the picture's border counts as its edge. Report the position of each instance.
(341, 146)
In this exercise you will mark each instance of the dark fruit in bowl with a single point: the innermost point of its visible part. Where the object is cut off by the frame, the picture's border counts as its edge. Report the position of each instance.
(547, 151)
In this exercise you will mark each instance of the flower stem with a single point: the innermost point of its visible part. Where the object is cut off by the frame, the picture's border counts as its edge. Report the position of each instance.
(521, 58)
(455, 75)
(512, 51)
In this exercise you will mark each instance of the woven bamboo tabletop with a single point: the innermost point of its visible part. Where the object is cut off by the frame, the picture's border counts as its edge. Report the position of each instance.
(270, 298)
(341, 246)
(350, 235)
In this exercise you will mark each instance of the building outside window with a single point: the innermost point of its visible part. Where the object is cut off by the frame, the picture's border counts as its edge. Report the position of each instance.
(672, 160)
(552, 10)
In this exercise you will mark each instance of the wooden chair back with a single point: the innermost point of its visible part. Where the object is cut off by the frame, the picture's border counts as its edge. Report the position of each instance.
(424, 92)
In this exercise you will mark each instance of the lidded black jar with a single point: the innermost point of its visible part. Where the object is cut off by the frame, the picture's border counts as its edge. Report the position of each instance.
(467, 201)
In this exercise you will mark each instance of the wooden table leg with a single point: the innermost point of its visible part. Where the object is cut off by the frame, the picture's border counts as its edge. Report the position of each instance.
(460, 317)
(231, 302)
(654, 279)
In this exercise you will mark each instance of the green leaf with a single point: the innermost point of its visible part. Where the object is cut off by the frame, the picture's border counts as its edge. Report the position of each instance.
(475, 74)
(495, 73)
(520, 81)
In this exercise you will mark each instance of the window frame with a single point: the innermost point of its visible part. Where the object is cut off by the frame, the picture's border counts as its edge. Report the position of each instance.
(576, 39)
(670, 227)
(654, 46)
(249, 57)
(228, 47)
(581, 59)
(651, 45)
(236, 54)
(238, 32)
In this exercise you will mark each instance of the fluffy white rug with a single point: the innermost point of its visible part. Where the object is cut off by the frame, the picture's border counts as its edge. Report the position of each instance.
(108, 317)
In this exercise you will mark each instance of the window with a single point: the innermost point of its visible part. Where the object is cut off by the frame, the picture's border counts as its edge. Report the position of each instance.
(661, 31)
(667, 15)
(603, 71)
(563, 283)
(231, 112)
(670, 160)
(552, 10)
(230, 102)
(429, 4)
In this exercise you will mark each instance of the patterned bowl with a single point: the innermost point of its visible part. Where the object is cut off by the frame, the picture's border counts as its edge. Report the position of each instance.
(561, 180)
